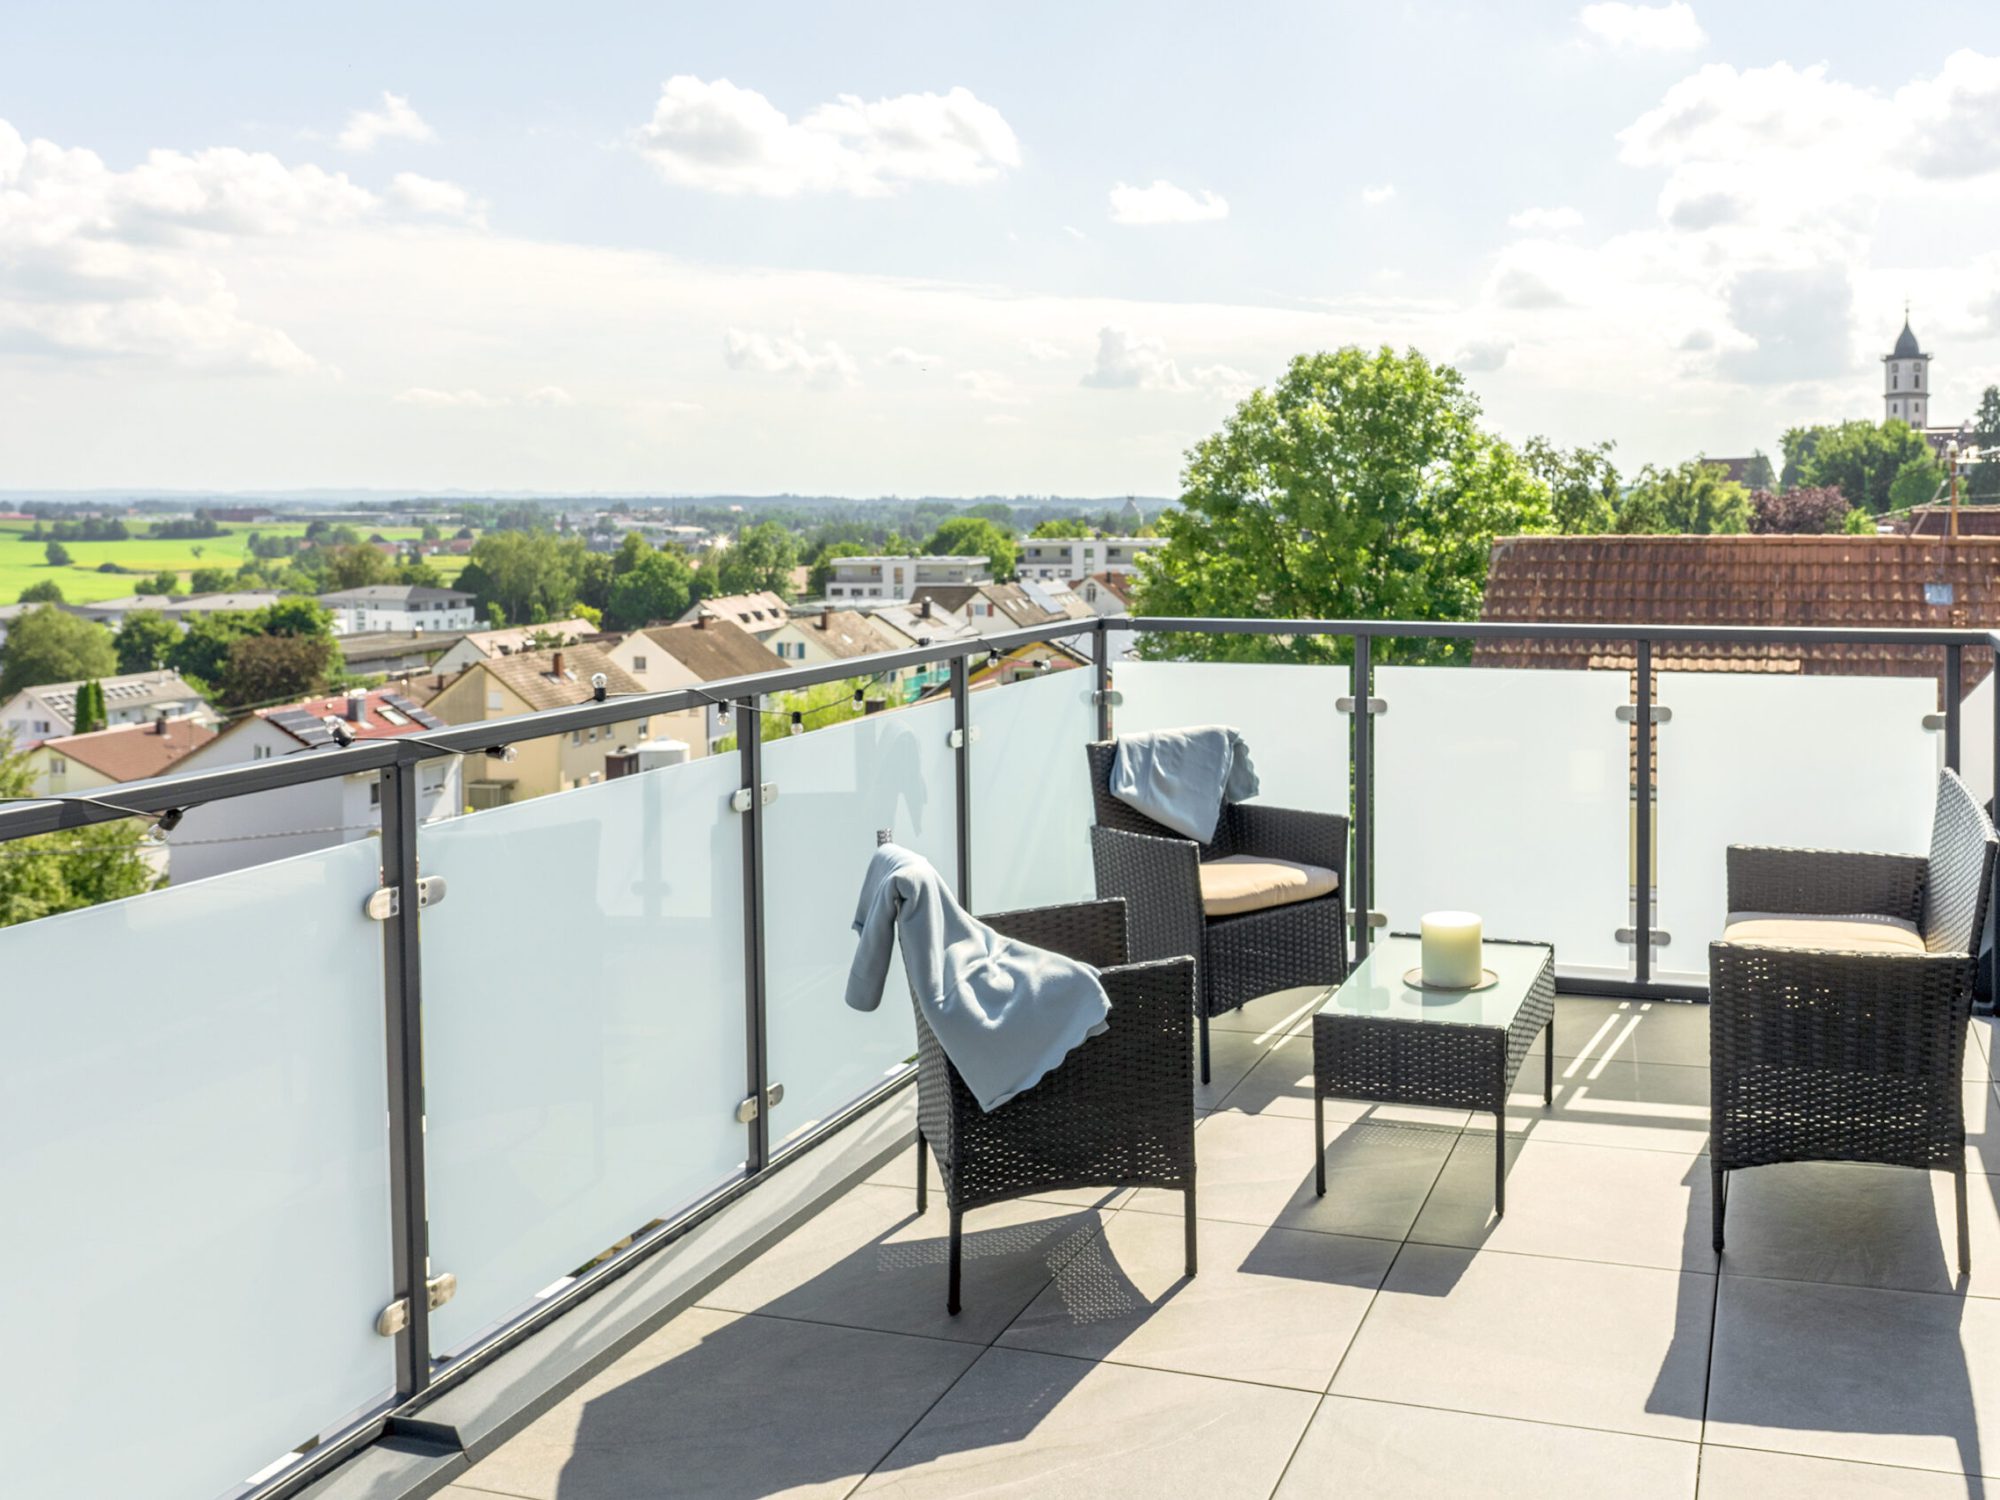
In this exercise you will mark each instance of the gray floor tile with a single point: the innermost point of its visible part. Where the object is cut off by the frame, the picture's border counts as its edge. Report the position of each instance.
(1740, 1474)
(1619, 1348)
(1282, 1084)
(1654, 1031)
(867, 1261)
(1231, 1056)
(1036, 1425)
(1614, 1101)
(1908, 1379)
(1375, 1450)
(1982, 1127)
(1635, 1208)
(1856, 1225)
(1272, 1016)
(1270, 1305)
(1258, 1169)
(730, 1408)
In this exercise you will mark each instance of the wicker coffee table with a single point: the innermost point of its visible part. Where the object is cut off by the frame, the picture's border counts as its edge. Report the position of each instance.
(1380, 1039)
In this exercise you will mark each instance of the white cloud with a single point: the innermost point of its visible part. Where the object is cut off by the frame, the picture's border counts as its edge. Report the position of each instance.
(1644, 28)
(724, 139)
(435, 197)
(1523, 287)
(916, 359)
(423, 395)
(1042, 351)
(1128, 363)
(1382, 192)
(394, 121)
(1483, 356)
(1074, 233)
(1164, 203)
(549, 395)
(988, 385)
(788, 354)
(1546, 220)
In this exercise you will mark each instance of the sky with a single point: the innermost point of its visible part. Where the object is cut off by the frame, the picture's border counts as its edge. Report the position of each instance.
(965, 249)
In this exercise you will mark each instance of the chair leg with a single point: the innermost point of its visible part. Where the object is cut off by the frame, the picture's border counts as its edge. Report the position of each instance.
(951, 1296)
(1718, 1198)
(923, 1173)
(1319, 1140)
(1188, 1208)
(1204, 1041)
(1549, 1063)
(1964, 1228)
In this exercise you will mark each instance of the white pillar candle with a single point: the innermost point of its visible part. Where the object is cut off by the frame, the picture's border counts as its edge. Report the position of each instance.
(1451, 949)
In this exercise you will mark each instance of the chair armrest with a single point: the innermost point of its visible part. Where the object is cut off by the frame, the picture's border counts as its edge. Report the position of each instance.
(1148, 1040)
(1826, 882)
(1308, 838)
(1160, 881)
(1092, 932)
(1899, 1012)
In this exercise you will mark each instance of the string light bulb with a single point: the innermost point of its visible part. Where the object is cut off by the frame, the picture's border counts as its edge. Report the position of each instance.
(798, 722)
(860, 699)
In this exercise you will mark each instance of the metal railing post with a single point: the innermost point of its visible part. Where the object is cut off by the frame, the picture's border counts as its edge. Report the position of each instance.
(403, 989)
(756, 1057)
(1954, 687)
(1103, 680)
(1361, 896)
(961, 720)
(1642, 819)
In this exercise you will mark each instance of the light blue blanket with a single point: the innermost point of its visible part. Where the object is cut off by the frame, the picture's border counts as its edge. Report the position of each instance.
(1181, 777)
(1005, 1013)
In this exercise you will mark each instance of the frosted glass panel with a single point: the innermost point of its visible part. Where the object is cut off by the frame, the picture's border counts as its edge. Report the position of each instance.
(1297, 738)
(836, 787)
(1975, 738)
(196, 1180)
(1823, 762)
(1507, 792)
(1031, 806)
(583, 1027)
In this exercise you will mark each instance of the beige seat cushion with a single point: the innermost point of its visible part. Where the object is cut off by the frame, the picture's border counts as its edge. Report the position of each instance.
(1243, 882)
(1855, 934)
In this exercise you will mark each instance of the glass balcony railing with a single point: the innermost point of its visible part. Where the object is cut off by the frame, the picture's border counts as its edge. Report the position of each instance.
(258, 1124)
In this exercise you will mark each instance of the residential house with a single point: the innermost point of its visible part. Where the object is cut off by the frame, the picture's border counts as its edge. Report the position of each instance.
(663, 657)
(1106, 593)
(991, 607)
(1079, 557)
(526, 682)
(482, 645)
(394, 653)
(762, 614)
(831, 634)
(112, 613)
(400, 606)
(218, 837)
(106, 757)
(40, 713)
(900, 577)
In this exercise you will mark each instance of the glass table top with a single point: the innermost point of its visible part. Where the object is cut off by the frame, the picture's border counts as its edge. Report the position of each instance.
(1376, 987)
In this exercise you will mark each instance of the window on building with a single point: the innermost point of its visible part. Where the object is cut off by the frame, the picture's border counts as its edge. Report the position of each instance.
(1917, 378)
(1895, 378)
(638, 663)
(374, 793)
(576, 736)
(57, 765)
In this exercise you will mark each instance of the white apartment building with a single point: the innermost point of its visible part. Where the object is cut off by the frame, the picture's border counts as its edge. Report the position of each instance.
(1052, 557)
(898, 578)
(399, 606)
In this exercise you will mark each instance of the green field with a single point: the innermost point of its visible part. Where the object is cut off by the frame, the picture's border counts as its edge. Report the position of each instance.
(22, 563)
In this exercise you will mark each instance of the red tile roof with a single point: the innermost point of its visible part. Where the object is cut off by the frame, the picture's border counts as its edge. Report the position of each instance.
(386, 715)
(133, 752)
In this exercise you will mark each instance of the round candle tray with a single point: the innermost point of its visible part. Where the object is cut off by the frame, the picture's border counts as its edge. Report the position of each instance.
(1414, 978)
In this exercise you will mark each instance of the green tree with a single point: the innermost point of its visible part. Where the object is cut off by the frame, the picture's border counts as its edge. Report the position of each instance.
(209, 581)
(1060, 527)
(166, 581)
(659, 586)
(50, 873)
(143, 641)
(47, 645)
(357, 566)
(761, 560)
(417, 573)
(48, 591)
(532, 576)
(629, 552)
(202, 650)
(1694, 498)
(1582, 484)
(57, 555)
(1359, 485)
(1981, 481)
(594, 578)
(1859, 458)
(1758, 474)
(296, 615)
(976, 536)
(264, 669)
(1917, 482)
(88, 715)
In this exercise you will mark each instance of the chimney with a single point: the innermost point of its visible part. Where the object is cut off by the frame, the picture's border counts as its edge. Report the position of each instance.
(357, 705)
(701, 620)
(826, 618)
(160, 723)
(924, 608)
(556, 668)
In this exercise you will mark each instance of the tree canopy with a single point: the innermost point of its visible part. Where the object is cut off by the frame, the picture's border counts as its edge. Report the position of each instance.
(1816, 509)
(1057, 527)
(976, 536)
(1981, 481)
(1359, 485)
(49, 873)
(760, 560)
(1692, 498)
(1861, 459)
(530, 576)
(658, 586)
(143, 640)
(47, 645)
(1582, 484)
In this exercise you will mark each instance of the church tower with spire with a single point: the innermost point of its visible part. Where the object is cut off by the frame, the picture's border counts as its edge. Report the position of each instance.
(1906, 383)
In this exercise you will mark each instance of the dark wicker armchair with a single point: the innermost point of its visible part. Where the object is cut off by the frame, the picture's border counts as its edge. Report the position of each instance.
(1118, 1112)
(1161, 875)
(1838, 1003)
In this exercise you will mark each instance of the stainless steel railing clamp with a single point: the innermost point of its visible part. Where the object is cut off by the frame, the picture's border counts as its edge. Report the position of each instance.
(387, 902)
